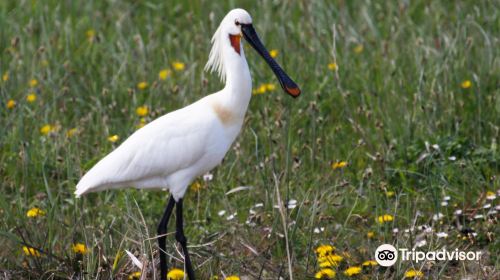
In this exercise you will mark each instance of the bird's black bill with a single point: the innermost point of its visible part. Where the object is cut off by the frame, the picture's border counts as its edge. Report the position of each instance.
(286, 83)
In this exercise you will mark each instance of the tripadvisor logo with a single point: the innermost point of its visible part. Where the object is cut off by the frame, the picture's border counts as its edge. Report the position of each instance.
(387, 255)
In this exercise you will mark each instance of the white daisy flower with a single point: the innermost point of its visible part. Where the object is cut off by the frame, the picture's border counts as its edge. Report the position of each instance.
(208, 177)
(230, 217)
(421, 243)
(319, 230)
(437, 216)
(292, 203)
(442, 235)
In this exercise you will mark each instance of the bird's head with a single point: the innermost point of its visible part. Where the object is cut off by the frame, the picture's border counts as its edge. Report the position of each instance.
(236, 24)
(234, 20)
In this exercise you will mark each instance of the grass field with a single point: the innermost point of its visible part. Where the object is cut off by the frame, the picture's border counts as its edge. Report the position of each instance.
(394, 139)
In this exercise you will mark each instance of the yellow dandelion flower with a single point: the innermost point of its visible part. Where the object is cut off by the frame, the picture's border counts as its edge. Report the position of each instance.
(370, 234)
(232, 277)
(175, 274)
(142, 85)
(164, 74)
(339, 165)
(412, 273)
(260, 90)
(178, 66)
(335, 258)
(327, 264)
(135, 275)
(353, 270)
(79, 248)
(33, 83)
(270, 87)
(28, 251)
(5, 76)
(389, 193)
(71, 132)
(358, 48)
(196, 186)
(90, 34)
(11, 104)
(385, 218)
(35, 212)
(31, 97)
(46, 129)
(324, 250)
(333, 66)
(329, 260)
(113, 138)
(325, 273)
(466, 84)
(142, 111)
(273, 53)
(369, 263)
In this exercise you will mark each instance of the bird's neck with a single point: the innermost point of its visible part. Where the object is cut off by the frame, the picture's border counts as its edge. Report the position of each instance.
(238, 89)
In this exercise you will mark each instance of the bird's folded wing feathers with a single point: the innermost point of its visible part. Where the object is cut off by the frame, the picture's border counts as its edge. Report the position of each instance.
(164, 146)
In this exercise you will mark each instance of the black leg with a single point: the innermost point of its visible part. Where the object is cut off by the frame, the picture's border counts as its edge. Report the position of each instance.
(179, 236)
(162, 230)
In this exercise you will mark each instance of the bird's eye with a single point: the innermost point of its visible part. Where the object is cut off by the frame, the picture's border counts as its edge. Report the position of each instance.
(237, 23)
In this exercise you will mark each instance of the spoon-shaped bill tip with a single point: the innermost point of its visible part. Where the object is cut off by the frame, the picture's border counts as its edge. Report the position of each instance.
(295, 91)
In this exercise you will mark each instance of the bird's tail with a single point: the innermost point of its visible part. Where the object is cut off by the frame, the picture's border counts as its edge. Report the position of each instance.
(90, 182)
(78, 193)
(82, 187)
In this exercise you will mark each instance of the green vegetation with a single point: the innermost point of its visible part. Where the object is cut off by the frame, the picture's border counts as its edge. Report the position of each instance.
(408, 97)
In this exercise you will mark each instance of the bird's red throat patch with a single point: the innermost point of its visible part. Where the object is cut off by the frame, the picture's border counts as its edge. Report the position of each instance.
(235, 42)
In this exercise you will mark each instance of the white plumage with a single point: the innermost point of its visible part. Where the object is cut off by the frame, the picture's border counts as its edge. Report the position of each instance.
(176, 148)
(167, 153)
(171, 151)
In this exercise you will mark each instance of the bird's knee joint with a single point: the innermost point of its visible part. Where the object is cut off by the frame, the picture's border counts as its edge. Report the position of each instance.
(180, 238)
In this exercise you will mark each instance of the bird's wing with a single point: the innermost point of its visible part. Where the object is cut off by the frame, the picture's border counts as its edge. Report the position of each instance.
(170, 143)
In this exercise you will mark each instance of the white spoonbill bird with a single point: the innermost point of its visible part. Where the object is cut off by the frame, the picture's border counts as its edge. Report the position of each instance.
(171, 151)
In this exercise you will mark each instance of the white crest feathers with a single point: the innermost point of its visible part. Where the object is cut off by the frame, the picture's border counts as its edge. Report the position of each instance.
(215, 59)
